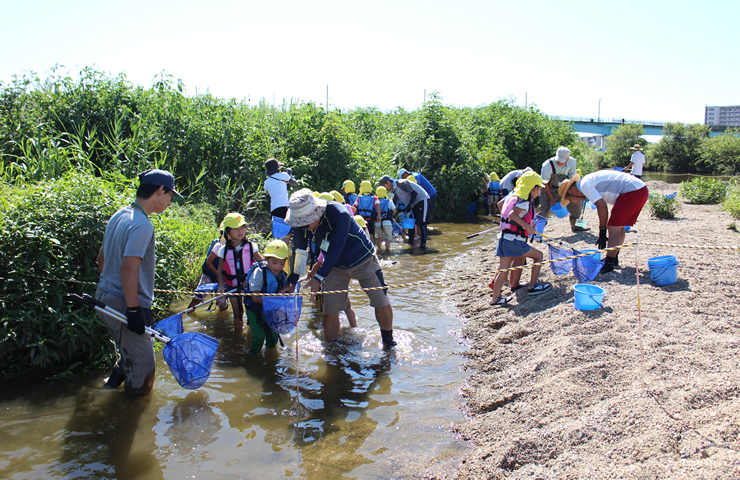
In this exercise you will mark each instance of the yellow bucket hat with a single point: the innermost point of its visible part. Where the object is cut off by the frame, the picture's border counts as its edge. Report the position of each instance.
(366, 187)
(233, 220)
(337, 196)
(360, 221)
(526, 183)
(277, 249)
(579, 172)
(348, 186)
(326, 196)
(494, 177)
(412, 178)
(381, 192)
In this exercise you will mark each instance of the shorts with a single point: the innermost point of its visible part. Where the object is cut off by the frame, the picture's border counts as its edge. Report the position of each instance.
(370, 226)
(492, 199)
(385, 232)
(368, 273)
(511, 248)
(627, 208)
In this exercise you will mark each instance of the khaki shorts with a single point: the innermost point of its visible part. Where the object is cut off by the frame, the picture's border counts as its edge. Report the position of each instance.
(368, 273)
(386, 231)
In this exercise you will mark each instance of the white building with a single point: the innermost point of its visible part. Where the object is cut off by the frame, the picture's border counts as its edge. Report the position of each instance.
(725, 116)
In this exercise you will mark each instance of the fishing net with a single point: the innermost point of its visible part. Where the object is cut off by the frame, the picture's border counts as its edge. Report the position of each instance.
(280, 229)
(540, 223)
(190, 358)
(170, 326)
(586, 268)
(561, 267)
(282, 313)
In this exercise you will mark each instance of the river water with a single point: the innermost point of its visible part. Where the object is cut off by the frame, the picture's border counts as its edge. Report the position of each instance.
(366, 413)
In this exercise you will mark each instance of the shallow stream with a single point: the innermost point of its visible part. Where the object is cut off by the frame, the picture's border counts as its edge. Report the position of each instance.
(366, 413)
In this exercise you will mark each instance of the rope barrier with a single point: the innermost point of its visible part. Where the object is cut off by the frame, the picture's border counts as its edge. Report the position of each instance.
(424, 282)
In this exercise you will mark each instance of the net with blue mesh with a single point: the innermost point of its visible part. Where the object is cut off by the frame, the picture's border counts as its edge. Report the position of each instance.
(190, 358)
(207, 288)
(281, 313)
(561, 267)
(280, 229)
(471, 209)
(586, 268)
(170, 326)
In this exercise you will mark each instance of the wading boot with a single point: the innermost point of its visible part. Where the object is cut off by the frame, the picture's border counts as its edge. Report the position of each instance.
(387, 336)
(608, 265)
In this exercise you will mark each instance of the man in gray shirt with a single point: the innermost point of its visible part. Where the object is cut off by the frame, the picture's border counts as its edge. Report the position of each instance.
(126, 264)
(555, 171)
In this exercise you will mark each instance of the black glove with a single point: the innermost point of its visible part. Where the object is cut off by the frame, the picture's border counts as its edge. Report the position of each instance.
(407, 209)
(293, 279)
(601, 242)
(136, 321)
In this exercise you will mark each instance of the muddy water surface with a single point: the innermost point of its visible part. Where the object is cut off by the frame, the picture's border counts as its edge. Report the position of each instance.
(362, 412)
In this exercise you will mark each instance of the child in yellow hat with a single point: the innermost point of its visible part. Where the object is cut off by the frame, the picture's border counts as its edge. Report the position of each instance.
(266, 277)
(387, 210)
(517, 223)
(236, 256)
(368, 207)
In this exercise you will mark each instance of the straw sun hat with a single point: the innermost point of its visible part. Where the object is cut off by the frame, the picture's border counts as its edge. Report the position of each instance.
(304, 208)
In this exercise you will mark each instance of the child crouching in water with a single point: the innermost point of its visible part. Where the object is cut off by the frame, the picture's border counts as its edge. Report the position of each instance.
(517, 220)
(267, 277)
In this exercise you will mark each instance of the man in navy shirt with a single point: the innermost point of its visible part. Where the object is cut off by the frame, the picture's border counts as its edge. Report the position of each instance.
(348, 254)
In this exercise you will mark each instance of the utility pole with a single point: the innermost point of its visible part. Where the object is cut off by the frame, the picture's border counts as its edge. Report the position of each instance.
(327, 99)
(425, 97)
(598, 117)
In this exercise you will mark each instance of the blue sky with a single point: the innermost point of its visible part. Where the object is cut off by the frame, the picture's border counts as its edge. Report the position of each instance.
(646, 60)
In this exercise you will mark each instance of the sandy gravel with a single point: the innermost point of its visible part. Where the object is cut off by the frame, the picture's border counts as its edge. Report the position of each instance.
(559, 393)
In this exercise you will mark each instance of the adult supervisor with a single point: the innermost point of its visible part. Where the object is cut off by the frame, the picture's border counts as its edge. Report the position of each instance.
(508, 183)
(276, 187)
(625, 193)
(416, 201)
(555, 171)
(403, 174)
(637, 161)
(126, 264)
(348, 254)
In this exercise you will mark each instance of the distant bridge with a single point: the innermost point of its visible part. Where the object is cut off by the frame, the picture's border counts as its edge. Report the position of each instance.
(604, 126)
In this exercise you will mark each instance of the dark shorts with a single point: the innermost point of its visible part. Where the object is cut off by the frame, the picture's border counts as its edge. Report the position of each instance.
(627, 208)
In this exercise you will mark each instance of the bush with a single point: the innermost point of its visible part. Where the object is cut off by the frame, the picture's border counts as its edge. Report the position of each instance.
(50, 233)
(663, 207)
(703, 190)
(732, 203)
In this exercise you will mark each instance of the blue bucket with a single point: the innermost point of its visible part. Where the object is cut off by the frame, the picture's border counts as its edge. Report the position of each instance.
(588, 297)
(663, 270)
(595, 256)
(589, 204)
(559, 211)
(540, 223)
(408, 223)
(627, 228)
(619, 169)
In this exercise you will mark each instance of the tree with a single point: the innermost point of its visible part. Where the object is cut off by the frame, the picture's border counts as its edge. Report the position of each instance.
(722, 153)
(680, 148)
(619, 144)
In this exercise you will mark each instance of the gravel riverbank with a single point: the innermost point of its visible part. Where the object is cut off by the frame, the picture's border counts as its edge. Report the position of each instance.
(559, 393)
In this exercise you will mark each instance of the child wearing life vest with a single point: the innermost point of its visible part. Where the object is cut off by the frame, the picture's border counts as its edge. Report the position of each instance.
(236, 256)
(368, 207)
(387, 210)
(494, 192)
(348, 187)
(267, 276)
(517, 220)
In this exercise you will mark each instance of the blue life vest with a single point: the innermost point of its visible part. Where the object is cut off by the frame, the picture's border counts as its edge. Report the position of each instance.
(385, 212)
(494, 188)
(365, 206)
(350, 198)
(270, 284)
(207, 271)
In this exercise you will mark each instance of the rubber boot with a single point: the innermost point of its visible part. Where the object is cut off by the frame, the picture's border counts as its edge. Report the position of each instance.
(116, 378)
(608, 265)
(616, 259)
(387, 336)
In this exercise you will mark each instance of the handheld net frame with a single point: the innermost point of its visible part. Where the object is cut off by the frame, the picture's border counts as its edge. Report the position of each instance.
(172, 325)
(189, 355)
(584, 268)
(281, 313)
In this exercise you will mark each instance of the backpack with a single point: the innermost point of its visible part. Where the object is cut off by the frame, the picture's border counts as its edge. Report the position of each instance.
(207, 271)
